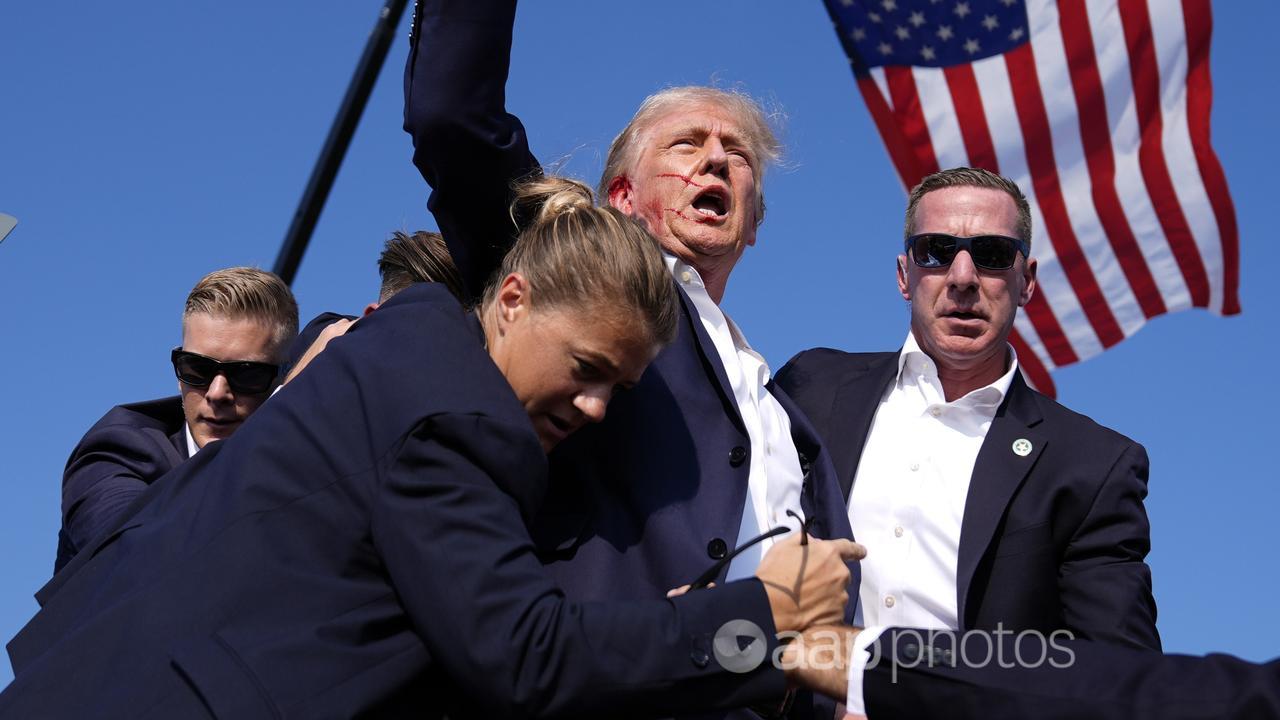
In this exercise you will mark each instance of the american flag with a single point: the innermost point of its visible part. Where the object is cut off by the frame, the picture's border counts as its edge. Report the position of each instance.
(1099, 110)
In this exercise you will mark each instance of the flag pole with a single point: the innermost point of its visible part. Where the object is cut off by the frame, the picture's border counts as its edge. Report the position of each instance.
(335, 145)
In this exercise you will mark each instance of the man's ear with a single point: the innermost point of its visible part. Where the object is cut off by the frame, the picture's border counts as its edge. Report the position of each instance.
(1028, 282)
(904, 284)
(369, 308)
(622, 196)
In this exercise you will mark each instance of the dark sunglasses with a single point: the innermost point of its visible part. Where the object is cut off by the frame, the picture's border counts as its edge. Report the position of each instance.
(989, 252)
(244, 376)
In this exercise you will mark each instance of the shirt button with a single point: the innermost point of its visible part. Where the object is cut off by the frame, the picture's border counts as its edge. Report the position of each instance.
(737, 456)
(888, 601)
(897, 532)
(686, 277)
(935, 411)
(915, 467)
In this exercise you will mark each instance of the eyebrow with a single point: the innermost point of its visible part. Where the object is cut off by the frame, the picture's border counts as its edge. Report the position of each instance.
(727, 137)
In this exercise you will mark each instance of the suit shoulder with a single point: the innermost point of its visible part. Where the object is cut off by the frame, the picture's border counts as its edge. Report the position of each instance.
(825, 365)
(163, 414)
(1069, 423)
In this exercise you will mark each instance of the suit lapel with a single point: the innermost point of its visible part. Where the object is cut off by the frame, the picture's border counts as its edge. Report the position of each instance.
(852, 410)
(178, 441)
(997, 474)
(711, 358)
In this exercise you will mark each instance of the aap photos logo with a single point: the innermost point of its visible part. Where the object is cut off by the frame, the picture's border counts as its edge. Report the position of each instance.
(740, 646)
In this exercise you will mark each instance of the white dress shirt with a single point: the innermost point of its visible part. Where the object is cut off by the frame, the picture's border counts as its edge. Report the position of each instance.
(192, 448)
(908, 498)
(775, 479)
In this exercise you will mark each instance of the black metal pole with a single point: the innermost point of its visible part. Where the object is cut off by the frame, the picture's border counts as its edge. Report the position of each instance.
(335, 145)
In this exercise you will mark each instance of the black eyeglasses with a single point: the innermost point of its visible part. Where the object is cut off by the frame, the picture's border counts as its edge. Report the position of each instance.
(990, 252)
(244, 376)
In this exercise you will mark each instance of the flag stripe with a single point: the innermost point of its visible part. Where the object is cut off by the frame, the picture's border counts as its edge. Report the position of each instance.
(1055, 83)
(1144, 72)
(899, 150)
(906, 107)
(963, 89)
(1199, 25)
(1044, 177)
(1034, 370)
(1126, 138)
(1170, 42)
(939, 114)
(1095, 132)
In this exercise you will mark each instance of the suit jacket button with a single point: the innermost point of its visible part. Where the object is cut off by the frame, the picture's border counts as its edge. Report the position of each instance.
(737, 456)
(910, 652)
(700, 657)
(717, 549)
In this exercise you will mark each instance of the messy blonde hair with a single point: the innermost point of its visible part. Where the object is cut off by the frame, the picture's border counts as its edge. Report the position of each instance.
(576, 255)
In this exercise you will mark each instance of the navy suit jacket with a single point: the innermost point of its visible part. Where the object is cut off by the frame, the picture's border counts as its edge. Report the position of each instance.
(357, 549)
(113, 464)
(919, 677)
(649, 498)
(1054, 539)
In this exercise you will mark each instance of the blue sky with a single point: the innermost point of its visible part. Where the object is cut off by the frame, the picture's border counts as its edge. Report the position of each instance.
(144, 144)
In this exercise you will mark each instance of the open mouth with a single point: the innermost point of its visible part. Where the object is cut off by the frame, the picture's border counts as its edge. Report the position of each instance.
(564, 427)
(964, 315)
(711, 203)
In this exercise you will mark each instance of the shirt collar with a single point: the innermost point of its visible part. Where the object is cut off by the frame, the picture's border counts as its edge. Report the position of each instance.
(914, 358)
(687, 277)
(192, 448)
(684, 273)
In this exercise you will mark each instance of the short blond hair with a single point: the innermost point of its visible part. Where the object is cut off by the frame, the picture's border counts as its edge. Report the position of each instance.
(246, 293)
(970, 177)
(624, 152)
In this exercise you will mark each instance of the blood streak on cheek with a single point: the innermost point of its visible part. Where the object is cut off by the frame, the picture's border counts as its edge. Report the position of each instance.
(687, 180)
(682, 216)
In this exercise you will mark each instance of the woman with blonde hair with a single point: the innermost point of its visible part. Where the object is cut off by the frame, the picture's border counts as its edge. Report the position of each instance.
(359, 548)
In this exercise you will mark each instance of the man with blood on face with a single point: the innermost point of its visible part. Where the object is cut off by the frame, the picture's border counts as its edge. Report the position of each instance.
(983, 504)
(704, 453)
(236, 326)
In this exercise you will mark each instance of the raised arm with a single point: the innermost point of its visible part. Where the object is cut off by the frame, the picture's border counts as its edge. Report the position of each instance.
(466, 145)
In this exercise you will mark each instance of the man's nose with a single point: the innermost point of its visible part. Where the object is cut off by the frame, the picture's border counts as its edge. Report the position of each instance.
(219, 390)
(962, 274)
(715, 160)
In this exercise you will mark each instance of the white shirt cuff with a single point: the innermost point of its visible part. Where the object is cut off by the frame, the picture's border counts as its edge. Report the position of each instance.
(853, 702)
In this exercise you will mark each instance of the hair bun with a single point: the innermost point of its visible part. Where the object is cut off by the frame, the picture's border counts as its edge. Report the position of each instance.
(549, 197)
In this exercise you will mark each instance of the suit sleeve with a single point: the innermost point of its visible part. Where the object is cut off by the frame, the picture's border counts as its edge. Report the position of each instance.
(466, 145)
(1104, 582)
(461, 561)
(107, 471)
(997, 676)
